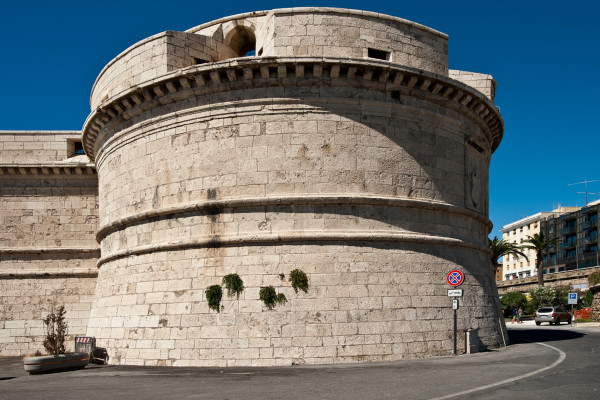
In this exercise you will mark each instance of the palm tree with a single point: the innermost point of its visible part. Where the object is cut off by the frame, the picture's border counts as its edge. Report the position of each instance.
(501, 248)
(540, 245)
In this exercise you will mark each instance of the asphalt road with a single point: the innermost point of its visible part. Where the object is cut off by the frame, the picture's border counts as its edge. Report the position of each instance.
(546, 362)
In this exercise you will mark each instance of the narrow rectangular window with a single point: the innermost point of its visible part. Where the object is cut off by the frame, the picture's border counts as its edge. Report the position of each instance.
(378, 54)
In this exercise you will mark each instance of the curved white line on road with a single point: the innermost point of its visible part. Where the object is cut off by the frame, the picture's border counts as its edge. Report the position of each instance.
(560, 359)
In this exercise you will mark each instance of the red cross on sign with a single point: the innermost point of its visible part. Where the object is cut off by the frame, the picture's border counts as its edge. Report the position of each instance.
(455, 278)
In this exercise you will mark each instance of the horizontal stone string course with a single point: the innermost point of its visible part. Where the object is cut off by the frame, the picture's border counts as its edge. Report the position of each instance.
(47, 169)
(50, 250)
(55, 274)
(290, 237)
(286, 200)
(224, 76)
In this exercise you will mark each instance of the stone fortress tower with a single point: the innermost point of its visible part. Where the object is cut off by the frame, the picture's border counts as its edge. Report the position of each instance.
(344, 147)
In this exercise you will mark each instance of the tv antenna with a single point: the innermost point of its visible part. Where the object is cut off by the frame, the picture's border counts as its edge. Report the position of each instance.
(586, 189)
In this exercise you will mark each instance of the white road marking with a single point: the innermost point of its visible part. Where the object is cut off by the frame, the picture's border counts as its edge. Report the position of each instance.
(560, 359)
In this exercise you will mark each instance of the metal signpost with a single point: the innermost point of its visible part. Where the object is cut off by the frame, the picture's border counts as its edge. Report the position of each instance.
(572, 302)
(454, 279)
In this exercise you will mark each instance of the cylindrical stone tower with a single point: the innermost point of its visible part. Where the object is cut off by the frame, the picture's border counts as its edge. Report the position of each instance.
(342, 147)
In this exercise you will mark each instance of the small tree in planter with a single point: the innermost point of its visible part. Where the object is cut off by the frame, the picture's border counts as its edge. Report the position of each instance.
(54, 343)
(56, 330)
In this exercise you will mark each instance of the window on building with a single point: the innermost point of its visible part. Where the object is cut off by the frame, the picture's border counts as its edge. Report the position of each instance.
(378, 54)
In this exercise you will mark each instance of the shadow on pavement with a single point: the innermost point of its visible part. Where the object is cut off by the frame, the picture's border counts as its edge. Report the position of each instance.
(539, 335)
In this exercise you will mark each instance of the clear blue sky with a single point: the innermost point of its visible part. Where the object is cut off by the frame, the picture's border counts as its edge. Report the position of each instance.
(545, 56)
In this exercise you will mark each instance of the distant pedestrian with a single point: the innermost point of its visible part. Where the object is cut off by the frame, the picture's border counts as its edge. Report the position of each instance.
(515, 313)
(520, 315)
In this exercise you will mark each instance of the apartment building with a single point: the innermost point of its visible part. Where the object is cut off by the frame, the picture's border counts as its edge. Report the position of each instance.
(517, 232)
(577, 242)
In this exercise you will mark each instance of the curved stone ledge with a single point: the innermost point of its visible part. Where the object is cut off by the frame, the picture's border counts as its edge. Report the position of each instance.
(311, 10)
(279, 71)
(213, 205)
(47, 169)
(317, 236)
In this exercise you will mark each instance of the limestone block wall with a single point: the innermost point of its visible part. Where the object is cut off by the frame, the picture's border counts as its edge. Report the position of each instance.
(26, 300)
(482, 82)
(48, 211)
(48, 250)
(23, 147)
(332, 32)
(370, 177)
(153, 57)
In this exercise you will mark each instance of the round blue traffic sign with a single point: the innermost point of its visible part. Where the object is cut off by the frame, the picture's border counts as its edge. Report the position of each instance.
(455, 278)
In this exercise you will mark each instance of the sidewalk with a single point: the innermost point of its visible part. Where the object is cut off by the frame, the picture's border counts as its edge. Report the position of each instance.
(530, 322)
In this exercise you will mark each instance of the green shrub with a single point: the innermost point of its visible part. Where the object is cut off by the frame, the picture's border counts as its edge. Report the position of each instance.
(543, 296)
(299, 280)
(511, 300)
(270, 297)
(587, 298)
(594, 278)
(562, 295)
(281, 299)
(234, 285)
(214, 294)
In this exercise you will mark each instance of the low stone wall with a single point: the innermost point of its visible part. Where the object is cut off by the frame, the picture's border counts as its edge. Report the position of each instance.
(576, 277)
(595, 308)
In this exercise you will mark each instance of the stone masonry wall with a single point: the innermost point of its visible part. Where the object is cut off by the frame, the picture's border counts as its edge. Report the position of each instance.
(482, 82)
(153, 57)
(26, 300)
(363, 304)
(34, 146)
(368, 174)
(48, 249)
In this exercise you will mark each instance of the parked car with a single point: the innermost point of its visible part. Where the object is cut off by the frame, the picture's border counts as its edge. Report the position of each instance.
(552, 315)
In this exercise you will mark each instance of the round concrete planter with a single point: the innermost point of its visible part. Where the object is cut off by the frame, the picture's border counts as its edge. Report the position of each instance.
(42, 364)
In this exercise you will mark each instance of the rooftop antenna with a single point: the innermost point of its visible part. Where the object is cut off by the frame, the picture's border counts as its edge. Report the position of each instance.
(586, 189)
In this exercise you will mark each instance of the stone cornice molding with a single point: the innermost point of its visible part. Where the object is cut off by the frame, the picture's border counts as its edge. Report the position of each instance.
(33, 274)
(47, 169)
(49, 250)
(261, 72)
(215, 205)
(291, 237)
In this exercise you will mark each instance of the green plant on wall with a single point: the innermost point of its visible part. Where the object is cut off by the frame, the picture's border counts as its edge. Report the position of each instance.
(234, 285)
(214, 294)
(270, 297)
(299, 280)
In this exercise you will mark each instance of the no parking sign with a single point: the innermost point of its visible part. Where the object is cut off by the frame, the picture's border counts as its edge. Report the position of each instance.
(455, 278)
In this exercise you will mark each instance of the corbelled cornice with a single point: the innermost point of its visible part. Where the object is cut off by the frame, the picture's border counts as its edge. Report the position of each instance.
(47, 169)
(285, 71)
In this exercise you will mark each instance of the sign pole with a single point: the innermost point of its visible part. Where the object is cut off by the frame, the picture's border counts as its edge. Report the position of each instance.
(455, 327)
(454, 279)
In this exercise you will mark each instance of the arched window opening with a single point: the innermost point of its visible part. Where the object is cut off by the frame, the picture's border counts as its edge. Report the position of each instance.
(242, 41)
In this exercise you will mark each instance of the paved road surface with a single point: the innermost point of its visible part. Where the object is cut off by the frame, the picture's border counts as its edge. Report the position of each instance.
(546, 362)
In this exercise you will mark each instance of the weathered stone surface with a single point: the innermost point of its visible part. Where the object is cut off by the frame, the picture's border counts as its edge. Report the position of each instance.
(48, 222)
(343, 149)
